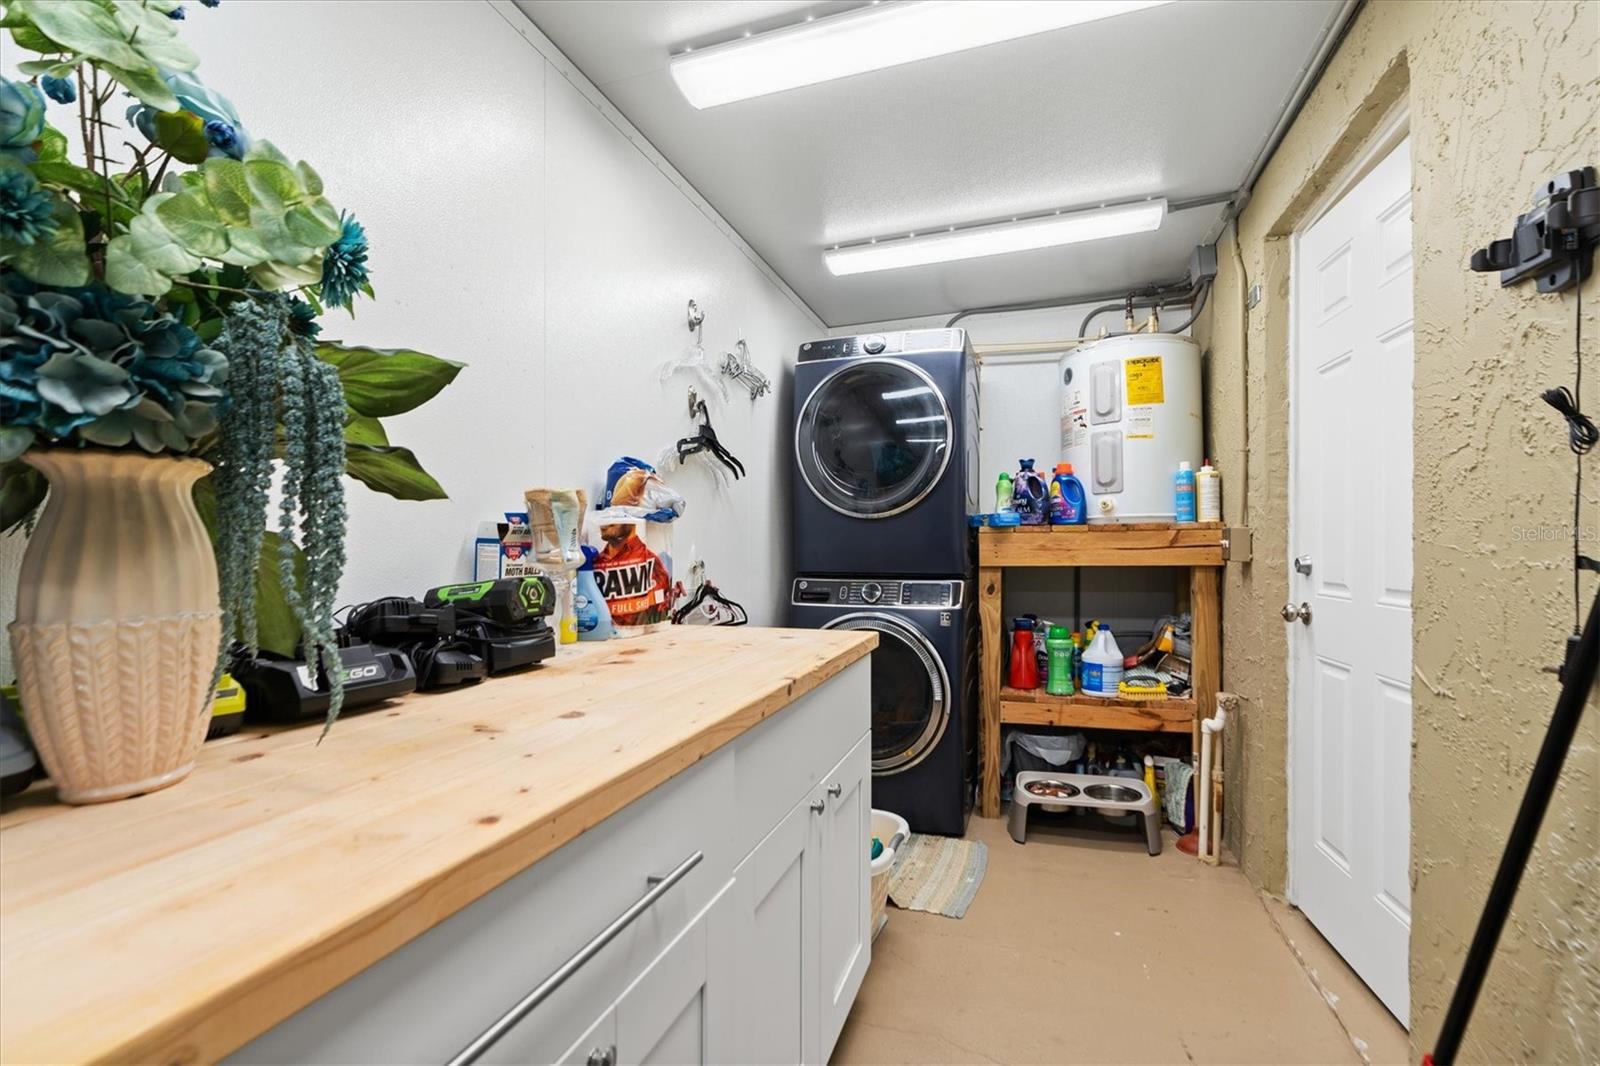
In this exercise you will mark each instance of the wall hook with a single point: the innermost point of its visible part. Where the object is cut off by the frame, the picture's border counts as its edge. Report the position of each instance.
(696, 317)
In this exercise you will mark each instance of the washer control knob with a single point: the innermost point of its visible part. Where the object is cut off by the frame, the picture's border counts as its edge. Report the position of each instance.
(871, 592)
(872, 344)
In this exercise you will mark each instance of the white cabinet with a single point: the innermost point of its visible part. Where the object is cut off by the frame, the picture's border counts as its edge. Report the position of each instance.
(795, 934)
(753, 956)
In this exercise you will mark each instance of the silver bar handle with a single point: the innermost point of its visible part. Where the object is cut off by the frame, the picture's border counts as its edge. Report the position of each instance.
(523, 1007)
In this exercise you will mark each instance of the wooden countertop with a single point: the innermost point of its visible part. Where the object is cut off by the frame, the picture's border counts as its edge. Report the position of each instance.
(176, 926)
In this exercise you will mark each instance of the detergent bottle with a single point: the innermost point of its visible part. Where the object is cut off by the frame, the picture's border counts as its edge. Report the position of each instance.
(1030, 497)
(1002, 493)
(1208, 490)
(1102, 665)
(1068, 490)
(588, 606)
(1024, 672)
(1059, 645)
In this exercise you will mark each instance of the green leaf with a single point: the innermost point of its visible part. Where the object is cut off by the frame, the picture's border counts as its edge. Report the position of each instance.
(277, 629)
(84, 27)
(309, 178)
(228, 190)
(273, 184)
(275, 276)
(22, 488)
(359, 429)
(315, 223)
(189, 218)
(144, 81)
(72, 176)
(56, 68)
(153, 35)
(143, 261)
(52, 145)
(28, 36)
(281, 246)
(14, 440)
(381, 382)
(391, 470)
(266, 150)
(59, 259)
(184, 135)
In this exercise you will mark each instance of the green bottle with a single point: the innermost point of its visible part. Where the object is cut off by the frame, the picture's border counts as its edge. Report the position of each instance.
(1002, 492)
(1058, 644)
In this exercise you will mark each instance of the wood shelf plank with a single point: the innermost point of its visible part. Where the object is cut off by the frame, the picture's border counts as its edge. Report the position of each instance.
(1131, 544)
(1036, 707)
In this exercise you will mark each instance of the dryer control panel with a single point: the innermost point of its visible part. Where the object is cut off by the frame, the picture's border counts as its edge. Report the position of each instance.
(894, 343)
(873, 592)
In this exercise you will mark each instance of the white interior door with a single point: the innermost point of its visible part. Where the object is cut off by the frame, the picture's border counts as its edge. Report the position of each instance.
(1350, 526)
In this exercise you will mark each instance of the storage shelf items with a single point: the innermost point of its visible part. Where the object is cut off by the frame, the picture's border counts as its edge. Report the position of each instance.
(1201, 548)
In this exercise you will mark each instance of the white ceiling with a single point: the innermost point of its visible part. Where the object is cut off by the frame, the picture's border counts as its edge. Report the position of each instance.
(1174, 101)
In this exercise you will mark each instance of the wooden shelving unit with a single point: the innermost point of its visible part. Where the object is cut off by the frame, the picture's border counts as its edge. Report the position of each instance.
(1201, 548)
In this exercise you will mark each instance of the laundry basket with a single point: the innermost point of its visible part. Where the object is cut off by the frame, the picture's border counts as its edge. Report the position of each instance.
(885, 826)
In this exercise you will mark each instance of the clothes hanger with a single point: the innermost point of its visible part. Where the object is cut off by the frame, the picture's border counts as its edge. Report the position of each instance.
(693, 359)
(707, 592)
(706, 441)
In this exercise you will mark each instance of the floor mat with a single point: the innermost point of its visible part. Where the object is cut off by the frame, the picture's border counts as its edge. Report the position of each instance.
(939, 875)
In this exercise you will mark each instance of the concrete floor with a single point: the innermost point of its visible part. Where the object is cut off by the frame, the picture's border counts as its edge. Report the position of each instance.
(1081, 948)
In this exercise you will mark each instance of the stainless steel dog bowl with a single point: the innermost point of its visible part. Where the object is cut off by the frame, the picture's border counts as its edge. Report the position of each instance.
(1114, 793)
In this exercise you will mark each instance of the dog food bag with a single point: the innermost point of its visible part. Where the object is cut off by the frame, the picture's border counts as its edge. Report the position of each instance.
(633, 570)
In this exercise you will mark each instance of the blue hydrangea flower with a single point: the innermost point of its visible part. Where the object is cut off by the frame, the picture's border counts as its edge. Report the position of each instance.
(61, 90)
(224, 138)
(209, 3)
(27, 212)
(95, 366)
(195, 98)
(21, 117)
(344, 264)
(176, 14)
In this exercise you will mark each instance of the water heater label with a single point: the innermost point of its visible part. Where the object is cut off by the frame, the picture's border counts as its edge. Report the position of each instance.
(1074, 418)
(1141, 424)
(1143, 375)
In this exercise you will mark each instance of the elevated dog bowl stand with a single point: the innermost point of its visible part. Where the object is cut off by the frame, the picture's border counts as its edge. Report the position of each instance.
(1110, 795)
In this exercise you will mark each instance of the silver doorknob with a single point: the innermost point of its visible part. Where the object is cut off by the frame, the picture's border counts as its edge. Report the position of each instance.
(818, 807)
(1290, 612)
(1302, 564)
(603, 1057)
(835, 790)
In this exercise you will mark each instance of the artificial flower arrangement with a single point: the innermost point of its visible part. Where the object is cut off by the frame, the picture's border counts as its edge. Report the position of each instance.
(164, 294)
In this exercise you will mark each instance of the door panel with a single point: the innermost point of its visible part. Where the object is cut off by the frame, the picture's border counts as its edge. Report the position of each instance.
(661, 1018)
(1350, 701)
(844, 901)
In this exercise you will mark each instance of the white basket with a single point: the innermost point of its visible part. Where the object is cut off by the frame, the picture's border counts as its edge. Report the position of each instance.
(885, 826)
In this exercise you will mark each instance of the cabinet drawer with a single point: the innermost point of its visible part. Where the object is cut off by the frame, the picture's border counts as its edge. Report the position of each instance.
(425, 1002)
(780, 760)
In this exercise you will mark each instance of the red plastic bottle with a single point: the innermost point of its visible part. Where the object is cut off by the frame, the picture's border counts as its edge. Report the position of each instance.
(1024, 672)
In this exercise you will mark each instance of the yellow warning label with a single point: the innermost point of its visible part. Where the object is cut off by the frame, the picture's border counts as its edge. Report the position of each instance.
(1144, 379)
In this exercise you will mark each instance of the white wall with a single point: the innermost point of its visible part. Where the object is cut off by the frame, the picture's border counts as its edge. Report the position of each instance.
(514, 229)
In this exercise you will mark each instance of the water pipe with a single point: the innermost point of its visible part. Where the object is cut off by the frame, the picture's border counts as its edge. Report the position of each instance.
(1208, 803)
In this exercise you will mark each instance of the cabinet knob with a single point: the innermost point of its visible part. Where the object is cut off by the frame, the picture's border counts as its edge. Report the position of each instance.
(606, 1056)
(836, 790)
(818, 807)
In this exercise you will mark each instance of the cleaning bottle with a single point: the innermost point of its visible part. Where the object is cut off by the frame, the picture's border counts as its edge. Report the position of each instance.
(1002, 493)
(1041, 654)
(1184, 483)
(589, 608)
(1067, 498)
(1208, 492)
(1030, 497)
(1102, 665)
(1024, 671)
(1150, 777)
(1060, 648)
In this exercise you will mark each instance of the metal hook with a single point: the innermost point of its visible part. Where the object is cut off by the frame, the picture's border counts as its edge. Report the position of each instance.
(696, 317)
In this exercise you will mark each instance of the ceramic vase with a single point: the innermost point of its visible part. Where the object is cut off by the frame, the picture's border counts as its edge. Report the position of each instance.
(117, 623)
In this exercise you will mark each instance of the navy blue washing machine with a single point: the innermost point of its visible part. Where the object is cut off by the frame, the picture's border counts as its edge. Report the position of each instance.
(924, 687)
(886, 454)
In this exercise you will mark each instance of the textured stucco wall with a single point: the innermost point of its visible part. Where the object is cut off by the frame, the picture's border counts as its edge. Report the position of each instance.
(1500, 95)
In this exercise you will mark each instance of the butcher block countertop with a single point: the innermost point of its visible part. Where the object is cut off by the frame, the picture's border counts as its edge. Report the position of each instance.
(175, 927)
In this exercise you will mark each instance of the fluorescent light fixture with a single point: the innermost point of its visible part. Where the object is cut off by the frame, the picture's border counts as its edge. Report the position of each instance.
(872, 38)
(1020, 236)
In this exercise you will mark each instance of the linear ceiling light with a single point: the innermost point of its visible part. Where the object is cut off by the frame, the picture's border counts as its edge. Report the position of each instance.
(872, 38)
(1021, 236)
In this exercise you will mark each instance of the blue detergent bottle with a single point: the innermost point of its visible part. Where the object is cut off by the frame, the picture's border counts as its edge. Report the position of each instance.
(1067, 498)
(588, 606)
(1184, 488)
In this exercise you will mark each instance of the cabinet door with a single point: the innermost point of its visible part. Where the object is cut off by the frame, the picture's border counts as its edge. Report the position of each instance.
(764, 949)
(844, 892)
(662, 1018)
(597, 1047)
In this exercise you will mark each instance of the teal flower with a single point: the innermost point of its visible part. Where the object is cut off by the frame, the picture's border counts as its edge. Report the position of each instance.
(210, 106)
(344, 265)
(21, 117)
(27, 212)
(303, 318)
(61, 90)
(95, 366)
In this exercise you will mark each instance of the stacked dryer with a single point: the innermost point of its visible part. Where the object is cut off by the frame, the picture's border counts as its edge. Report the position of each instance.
(885, 475)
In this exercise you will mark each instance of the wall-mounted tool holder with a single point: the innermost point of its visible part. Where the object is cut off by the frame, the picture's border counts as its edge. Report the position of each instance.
(1554, 242)
(737, 365)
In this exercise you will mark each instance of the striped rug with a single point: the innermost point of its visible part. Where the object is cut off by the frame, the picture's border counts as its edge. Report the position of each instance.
(939, 875)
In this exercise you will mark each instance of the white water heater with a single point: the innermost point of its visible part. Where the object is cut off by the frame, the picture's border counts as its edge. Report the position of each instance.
(1130, 412)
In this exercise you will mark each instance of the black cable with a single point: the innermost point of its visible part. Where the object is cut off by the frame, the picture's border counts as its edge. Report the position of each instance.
(1582, 436)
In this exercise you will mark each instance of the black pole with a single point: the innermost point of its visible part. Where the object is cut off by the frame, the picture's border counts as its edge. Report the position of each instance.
(1524, 834)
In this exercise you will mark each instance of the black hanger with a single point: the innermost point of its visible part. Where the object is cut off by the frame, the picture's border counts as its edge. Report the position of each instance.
(708, 591)
(706, 441)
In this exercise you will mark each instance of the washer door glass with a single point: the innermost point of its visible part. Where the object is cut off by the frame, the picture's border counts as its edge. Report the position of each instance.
(873, 438)
(910, 704)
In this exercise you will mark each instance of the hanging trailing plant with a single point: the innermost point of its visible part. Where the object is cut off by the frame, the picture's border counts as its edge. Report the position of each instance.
(166, 297)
